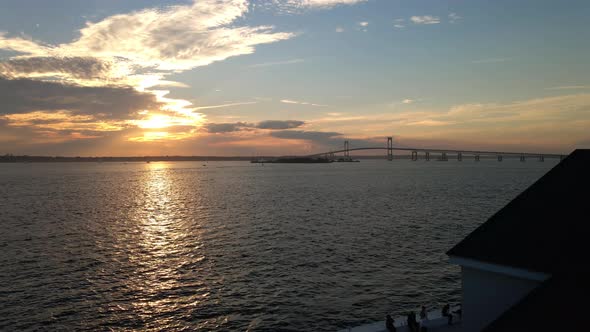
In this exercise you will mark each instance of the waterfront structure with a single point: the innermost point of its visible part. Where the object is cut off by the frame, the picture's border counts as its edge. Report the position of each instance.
(525, 268)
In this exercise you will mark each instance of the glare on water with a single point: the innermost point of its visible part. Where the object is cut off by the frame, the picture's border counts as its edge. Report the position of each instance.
(235, 246)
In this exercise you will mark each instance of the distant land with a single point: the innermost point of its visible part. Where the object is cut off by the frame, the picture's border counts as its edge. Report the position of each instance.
(9, 158)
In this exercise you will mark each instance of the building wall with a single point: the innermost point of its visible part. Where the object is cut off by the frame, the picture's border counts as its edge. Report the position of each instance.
(486, 295)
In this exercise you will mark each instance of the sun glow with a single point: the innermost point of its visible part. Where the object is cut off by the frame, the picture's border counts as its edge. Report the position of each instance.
(156, 121)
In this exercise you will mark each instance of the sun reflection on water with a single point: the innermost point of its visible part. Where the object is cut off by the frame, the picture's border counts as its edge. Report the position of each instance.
(165, 249)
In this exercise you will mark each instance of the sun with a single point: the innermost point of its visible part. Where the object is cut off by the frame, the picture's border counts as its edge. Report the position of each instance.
(156, 121)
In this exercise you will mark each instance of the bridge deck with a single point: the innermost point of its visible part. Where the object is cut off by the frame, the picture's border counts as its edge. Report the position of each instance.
(467, 152)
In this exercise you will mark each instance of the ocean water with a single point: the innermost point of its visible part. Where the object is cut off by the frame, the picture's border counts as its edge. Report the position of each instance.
(234, 246)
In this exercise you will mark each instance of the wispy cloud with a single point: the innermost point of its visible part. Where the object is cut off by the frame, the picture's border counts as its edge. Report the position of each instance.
(399, 23)
(491, 60)
(245, 126)
(198, 108)
(276, 63)
(569, 87)
(339, 29)
(453, 17)
(362, 26)
(426, 19)
(314, 4)
(407, 101)
(289, 101)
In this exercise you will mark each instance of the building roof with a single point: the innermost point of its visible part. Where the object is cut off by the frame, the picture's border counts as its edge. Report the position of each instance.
(543, 228)
(559, 304)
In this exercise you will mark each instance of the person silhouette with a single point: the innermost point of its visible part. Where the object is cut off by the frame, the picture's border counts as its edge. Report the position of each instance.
(423, 314)
(389, 324)
(446, 313)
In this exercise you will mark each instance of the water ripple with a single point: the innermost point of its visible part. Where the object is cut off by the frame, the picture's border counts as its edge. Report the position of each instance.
(181, 246)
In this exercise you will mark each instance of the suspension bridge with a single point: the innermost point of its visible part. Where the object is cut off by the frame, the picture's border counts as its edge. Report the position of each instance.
(437, 154)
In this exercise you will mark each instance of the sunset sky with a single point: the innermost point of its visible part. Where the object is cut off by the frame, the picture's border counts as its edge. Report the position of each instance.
(259, 77)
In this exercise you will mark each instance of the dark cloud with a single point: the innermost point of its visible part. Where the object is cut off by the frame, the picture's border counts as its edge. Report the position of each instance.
(279, 125)
(75, 67)
(321, 139)
(329, 140)
(239, 126)
(306, 135)
(227, 127)
(24, 95)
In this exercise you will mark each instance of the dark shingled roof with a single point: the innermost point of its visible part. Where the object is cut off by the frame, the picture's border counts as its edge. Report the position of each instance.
(543, 228)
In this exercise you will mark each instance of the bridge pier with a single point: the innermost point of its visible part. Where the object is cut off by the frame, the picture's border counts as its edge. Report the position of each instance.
(499, 157)
(414, 155)
(443, 157)
(541, 158)
(476, 157)
(427, 156)
(346, 150)
(459, 156)
(522, 158)
(390, 148)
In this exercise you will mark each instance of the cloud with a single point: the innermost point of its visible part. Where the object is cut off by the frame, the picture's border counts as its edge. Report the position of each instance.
(453, 17)
(295, 102)
(315, 4)
(325, 140)
(305, 135)
(23, 45)
(491, 60)
(407, 101)
(110, 70)
(25, 95)
(543, 123)
(569, 87)
(84, 68)
(276, 63)
(426, 19)
(216, 128)
(61, 120)
(275, 124)
(174, 38)
(399, 23)
(362, 26)
(241, 126)
(339, 29)
(198, 108)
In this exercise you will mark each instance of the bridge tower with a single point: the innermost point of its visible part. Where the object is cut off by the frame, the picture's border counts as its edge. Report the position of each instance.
(346, 150)
(390, 148)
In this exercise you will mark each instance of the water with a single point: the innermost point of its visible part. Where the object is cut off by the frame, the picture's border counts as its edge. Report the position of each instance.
(235, 246)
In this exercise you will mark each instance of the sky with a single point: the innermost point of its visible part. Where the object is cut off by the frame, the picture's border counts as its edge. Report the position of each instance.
(278, 77)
